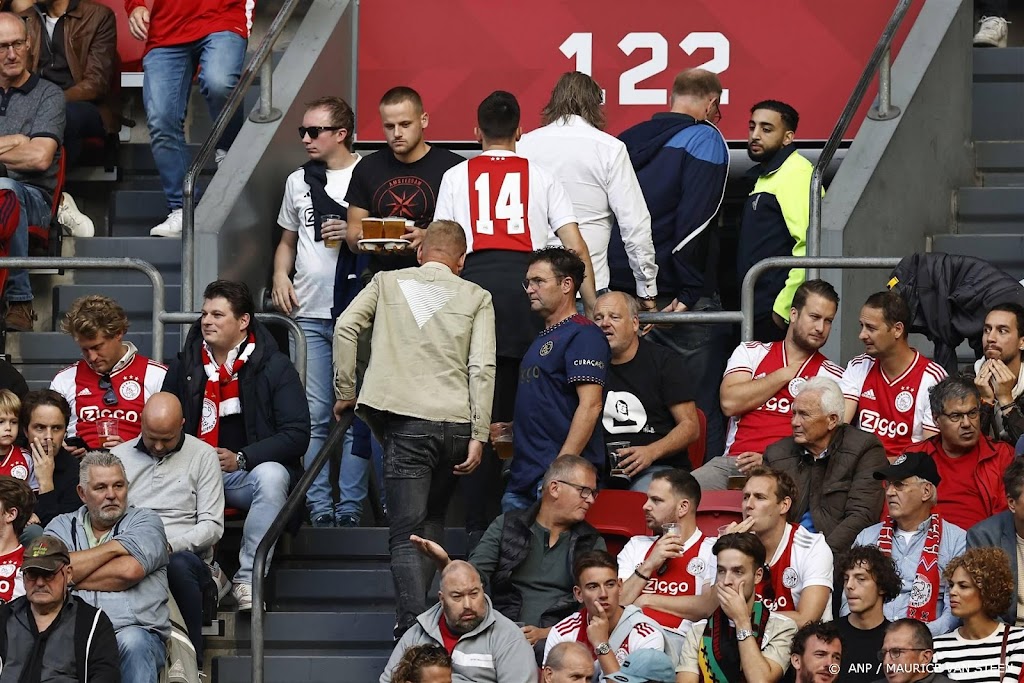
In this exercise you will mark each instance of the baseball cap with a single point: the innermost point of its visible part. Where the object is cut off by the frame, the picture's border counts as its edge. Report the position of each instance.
(643, 666)
(914, 464)
(47, 554)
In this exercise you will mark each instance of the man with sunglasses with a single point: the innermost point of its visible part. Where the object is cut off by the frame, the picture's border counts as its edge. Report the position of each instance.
(51, 634)
(112, 380)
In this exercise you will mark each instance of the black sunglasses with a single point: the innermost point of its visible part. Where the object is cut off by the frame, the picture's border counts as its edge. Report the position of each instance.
(314, 131)
(109, 397)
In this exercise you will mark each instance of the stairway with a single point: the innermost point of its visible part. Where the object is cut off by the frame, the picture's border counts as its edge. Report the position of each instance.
(331, 613)
(990, 217)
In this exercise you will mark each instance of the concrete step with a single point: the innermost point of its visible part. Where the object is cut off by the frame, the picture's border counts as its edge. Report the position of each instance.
(288, 668)
(137, 300)
(354, 544)
(999, 157)
(1002, 179)
(334, 585)
(342, 630)
(998, 94)
(990, 210)
(163, 253)
(59, 348)
(1001, 250)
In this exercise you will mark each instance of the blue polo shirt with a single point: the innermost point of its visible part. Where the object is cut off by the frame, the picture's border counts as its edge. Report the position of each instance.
(571, 352)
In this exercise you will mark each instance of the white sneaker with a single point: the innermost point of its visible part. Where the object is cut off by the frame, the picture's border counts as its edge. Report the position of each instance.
(992, 32)
(242, 593)
(218, 156)
(171, 227)
(74, 220)
(221, 579)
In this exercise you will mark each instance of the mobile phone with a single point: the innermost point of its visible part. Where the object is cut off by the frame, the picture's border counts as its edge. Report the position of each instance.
(75, 442)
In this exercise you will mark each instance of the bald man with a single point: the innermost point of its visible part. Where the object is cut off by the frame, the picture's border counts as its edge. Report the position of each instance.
(178, 476)
(649, 417)
(568, 663)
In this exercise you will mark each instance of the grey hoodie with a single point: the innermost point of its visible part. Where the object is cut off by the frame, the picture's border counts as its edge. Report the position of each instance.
(496, 650)
(141, 533)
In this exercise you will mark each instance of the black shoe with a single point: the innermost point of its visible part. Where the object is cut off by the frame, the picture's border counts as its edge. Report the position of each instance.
(346, 521)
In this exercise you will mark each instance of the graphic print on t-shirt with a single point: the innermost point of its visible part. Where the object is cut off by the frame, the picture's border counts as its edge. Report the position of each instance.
(623, 413)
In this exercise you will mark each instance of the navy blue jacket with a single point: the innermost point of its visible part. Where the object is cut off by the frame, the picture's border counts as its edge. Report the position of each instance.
(682, 166)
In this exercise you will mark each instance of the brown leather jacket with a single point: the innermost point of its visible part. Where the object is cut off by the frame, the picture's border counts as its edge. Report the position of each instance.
(90, 44)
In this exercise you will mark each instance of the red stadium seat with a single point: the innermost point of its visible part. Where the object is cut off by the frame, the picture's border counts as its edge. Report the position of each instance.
(718, 508)
(129, 50)
(44, 240)
(233, 513)
(619, 516)
(699, 448)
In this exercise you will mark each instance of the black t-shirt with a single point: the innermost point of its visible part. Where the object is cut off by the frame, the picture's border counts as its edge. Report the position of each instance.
(638, 396)
(385, 186)
(860, 652)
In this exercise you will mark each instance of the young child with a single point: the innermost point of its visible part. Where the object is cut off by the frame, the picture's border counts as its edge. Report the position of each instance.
(15, 461)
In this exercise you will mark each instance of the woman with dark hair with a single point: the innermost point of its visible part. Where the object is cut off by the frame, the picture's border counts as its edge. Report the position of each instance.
(424, 664)
(983, 649)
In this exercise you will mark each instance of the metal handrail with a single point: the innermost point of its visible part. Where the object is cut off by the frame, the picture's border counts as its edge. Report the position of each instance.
(880, 54)
(190, 317)
(259, 566)
(84, 263)
(235, 100)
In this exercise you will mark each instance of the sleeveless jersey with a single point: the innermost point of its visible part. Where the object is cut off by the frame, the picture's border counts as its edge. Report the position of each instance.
(802, 559)
(18, 464)
(896, 410)
(11, 584)
(683, 576)
(756, 430)
(133, 384)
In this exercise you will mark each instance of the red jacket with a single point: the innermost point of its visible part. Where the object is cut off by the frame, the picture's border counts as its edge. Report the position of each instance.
(176, 22)
(993, 459)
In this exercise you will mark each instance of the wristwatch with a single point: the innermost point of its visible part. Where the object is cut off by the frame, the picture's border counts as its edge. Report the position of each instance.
(602, 648)
(743, 634)
(241, 460)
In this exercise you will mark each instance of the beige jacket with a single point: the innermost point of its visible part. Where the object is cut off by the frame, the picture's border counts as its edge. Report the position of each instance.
(432, 348)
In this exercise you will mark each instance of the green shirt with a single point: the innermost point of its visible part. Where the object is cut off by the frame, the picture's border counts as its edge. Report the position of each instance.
(91, 537)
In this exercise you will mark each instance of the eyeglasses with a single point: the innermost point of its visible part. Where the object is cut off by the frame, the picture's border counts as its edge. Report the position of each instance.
(314, 131)
(958, 417)
(536, 282)
(897, 652)
(585, 491)
(901, 484)
(33, 574)
(109, 397)
(18, 46)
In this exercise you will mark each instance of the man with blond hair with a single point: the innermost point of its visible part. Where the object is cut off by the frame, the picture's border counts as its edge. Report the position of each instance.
(112, 381)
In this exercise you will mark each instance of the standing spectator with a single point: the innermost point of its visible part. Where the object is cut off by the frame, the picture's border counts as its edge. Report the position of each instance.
(906, 654)
(983, 649)
(112, 380)
(243, 397)
(886, 388)
(181, 39)
(433, 333)
(998, 376)
(32, 129)
(466, 624)
(73, 44)
(799, 581)
(613, 631)
(1006, 530)
(744, 640)
(595, 170)
(402, 181)
(817, 653)
(682, 164)
(570, 663)
(918, 539)
(424, 664)
(670, 574)
(561, 380)
(761, 381)
(992, 30)
(44, 421)
(11, 379)
(52, 634)
(16, 504)
(971, 465)
(869, 579)
(119, 564)
(775, 214)
(316, 251)
(832, 465)
(649, 402)
(499, 242)
(178, 477)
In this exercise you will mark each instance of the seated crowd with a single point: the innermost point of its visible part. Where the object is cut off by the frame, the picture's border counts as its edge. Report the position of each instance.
(496, 353)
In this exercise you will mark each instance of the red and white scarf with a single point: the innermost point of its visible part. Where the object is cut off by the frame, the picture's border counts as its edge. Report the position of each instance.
(220, 397)
(924, 593)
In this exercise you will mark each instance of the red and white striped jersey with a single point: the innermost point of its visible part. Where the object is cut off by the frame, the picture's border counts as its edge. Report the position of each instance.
(18, 464)
(756, 430)
(635, 631)
(896, 410)
(11, 584)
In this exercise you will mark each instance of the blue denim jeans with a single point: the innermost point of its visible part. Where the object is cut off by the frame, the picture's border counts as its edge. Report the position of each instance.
(262, 491)
(517, 501)
(143, 655)
(166, 90)
(35, 210)
(419, 458)
(353, 478)
(187, 576)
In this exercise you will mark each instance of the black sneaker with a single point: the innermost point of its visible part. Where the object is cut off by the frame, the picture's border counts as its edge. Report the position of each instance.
(347, 522)
(324, 521)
